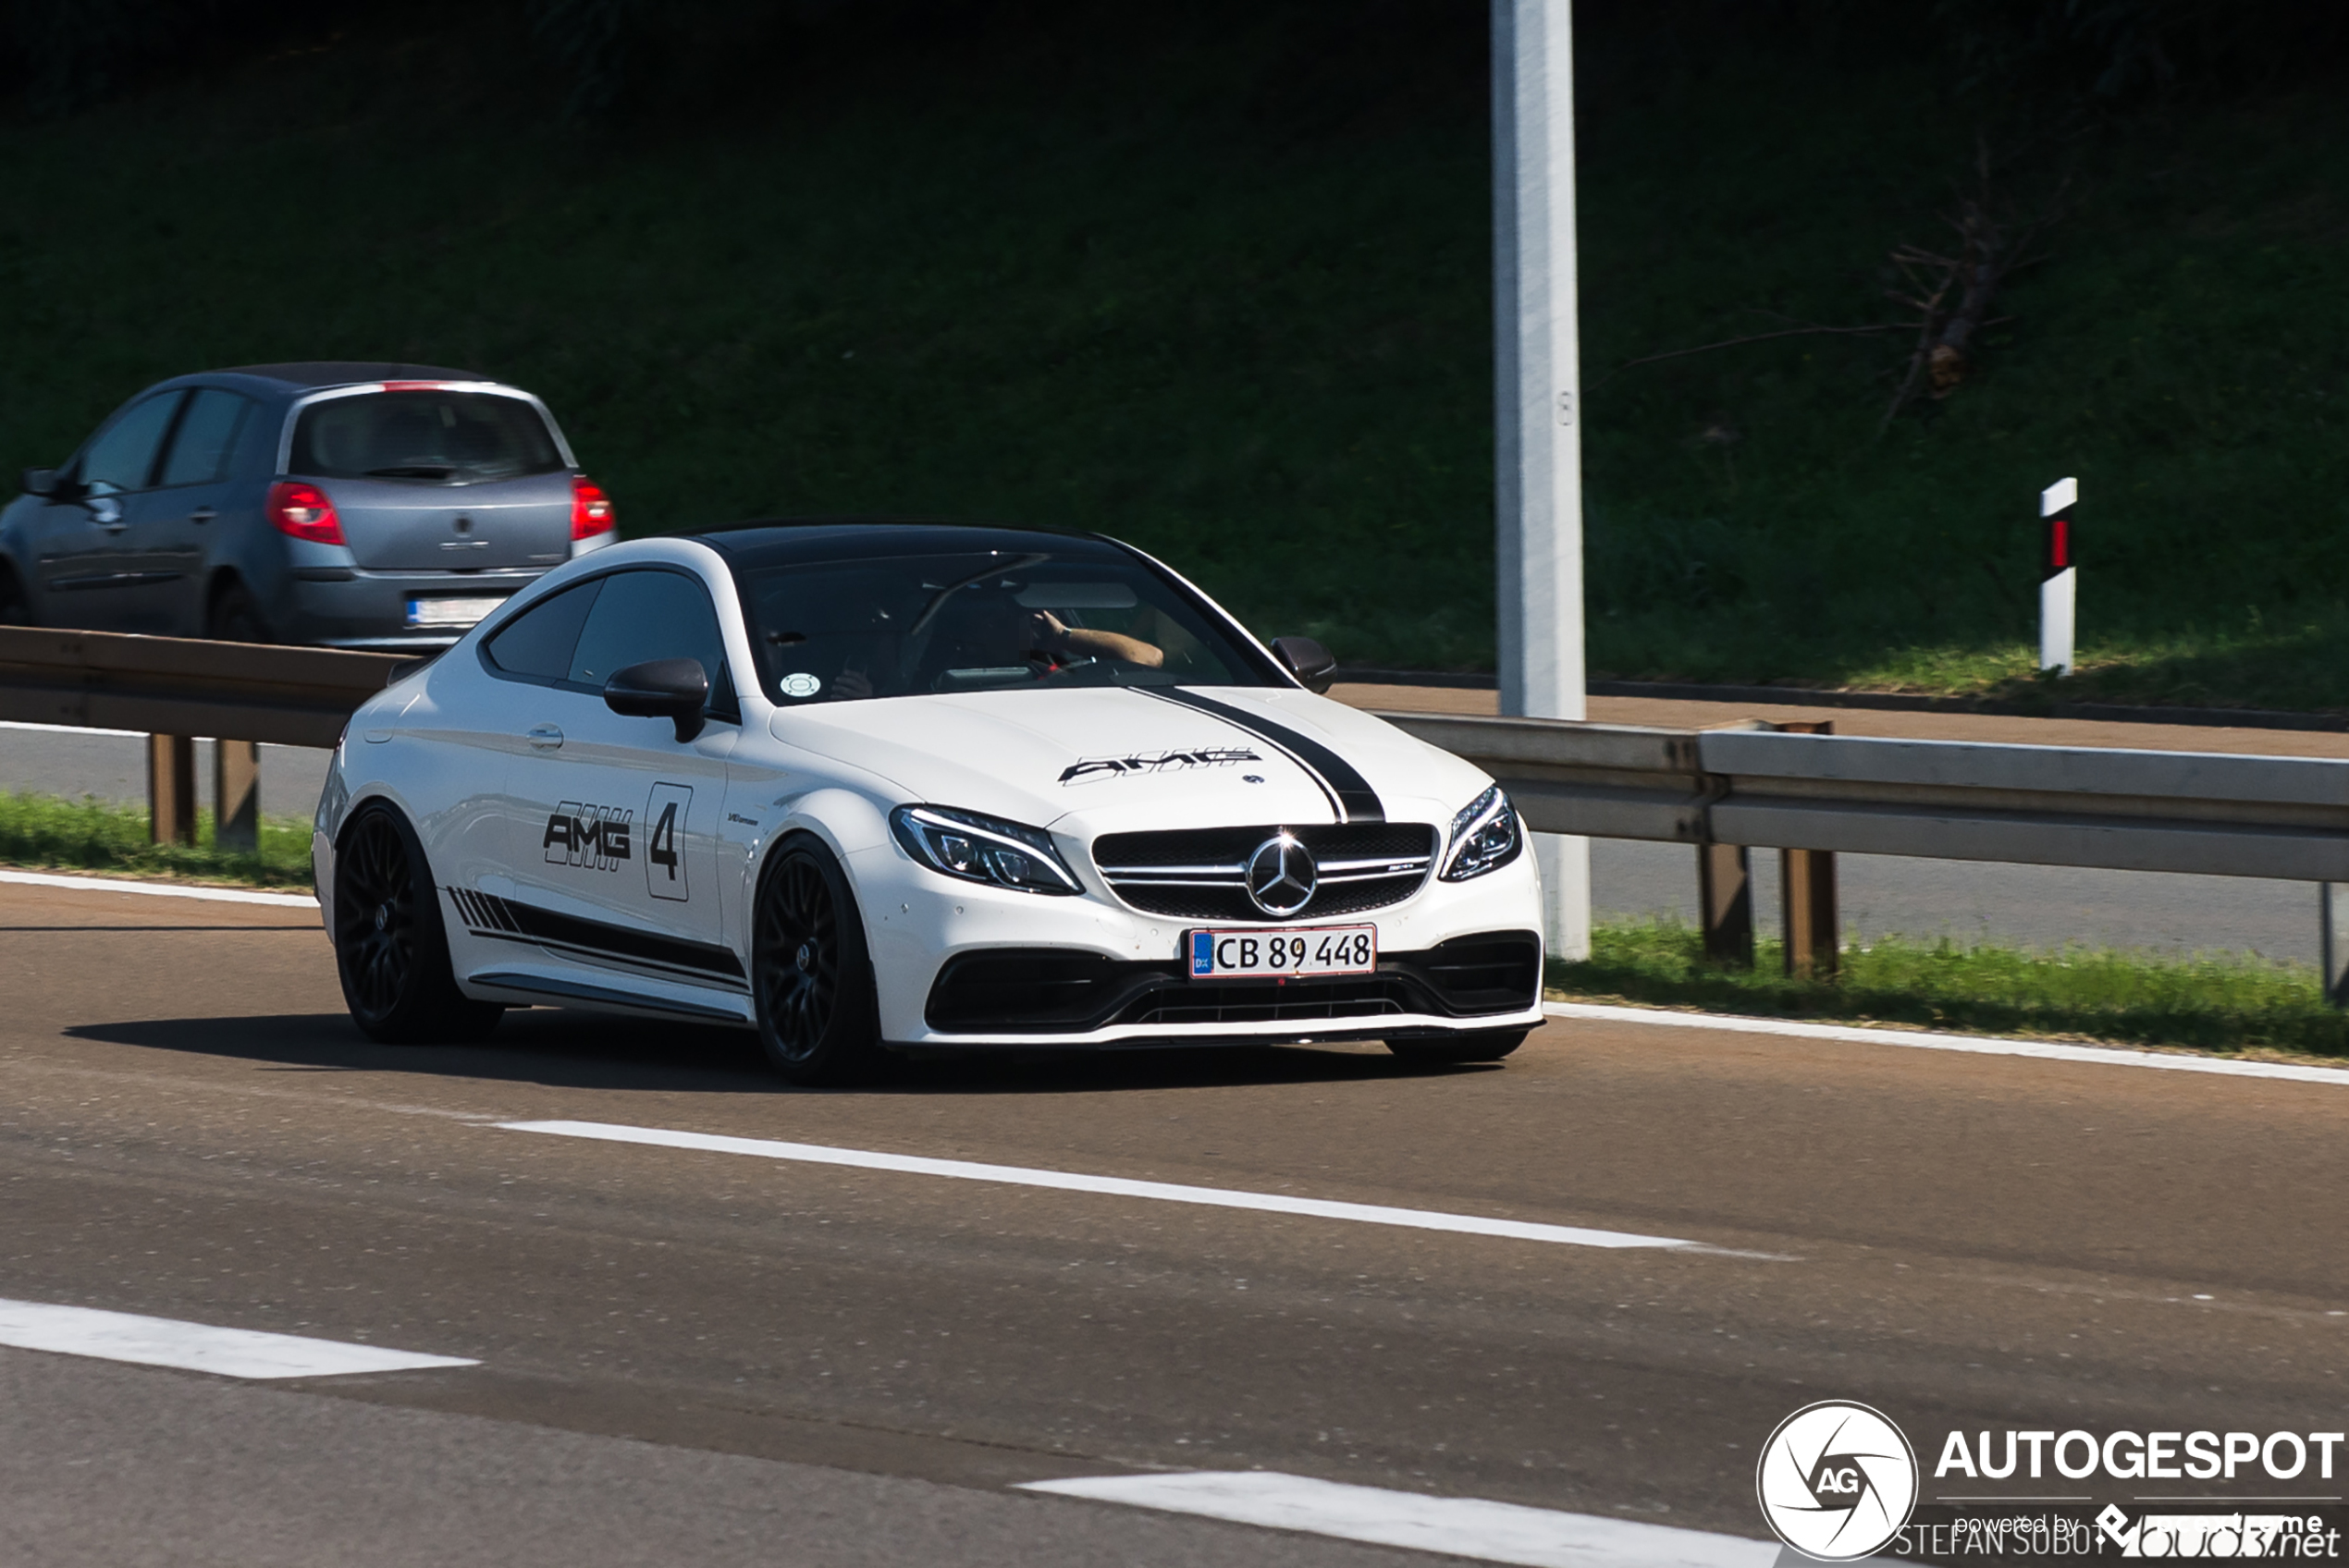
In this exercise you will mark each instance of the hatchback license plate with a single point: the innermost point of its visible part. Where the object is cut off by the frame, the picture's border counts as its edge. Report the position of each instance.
(1318, 949)
(443, 613)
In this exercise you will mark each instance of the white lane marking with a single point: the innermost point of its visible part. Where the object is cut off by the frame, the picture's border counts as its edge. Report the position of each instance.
(68, 728)
(1116, 1186)
(197, 1347)
(160, 889)
(1456, 1527)
(1979, 1045)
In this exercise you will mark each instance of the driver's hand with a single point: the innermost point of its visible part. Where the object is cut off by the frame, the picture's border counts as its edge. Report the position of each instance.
(852, 683)
(1047, 629)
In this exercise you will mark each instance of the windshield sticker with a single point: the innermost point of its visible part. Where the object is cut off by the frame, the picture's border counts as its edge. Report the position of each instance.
(800, 684)
(595, 836)
(1092, 770)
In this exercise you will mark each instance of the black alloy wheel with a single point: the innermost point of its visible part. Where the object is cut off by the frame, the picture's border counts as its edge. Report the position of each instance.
(1484, 1045)
(817, 1015)
(391, 951)
(235, 616)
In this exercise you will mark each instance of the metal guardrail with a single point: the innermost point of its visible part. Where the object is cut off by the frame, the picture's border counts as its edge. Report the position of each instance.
(1811, 796)
(182, 686)
(2219, 816)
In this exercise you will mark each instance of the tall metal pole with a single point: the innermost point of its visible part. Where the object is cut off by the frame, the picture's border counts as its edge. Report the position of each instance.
(1537, 407)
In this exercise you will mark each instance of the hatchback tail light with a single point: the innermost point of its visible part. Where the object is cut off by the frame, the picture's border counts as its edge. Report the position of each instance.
(591, 509)
(303, 511)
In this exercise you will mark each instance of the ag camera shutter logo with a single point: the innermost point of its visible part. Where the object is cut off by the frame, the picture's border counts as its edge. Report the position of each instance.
(1837, 1481)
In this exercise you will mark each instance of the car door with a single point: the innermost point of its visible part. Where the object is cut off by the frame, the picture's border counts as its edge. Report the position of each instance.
(615, 823)
(180, 515)
(93, 546)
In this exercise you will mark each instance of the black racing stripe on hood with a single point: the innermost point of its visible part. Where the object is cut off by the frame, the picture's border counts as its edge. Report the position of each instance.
(1356, 800)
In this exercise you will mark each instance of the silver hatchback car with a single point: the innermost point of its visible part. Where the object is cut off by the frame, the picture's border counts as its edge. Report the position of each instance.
(353, 506)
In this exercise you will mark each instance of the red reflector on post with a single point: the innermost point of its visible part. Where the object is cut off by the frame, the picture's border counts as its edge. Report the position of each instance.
(2059, 543)
(303, 511)
(591, 509)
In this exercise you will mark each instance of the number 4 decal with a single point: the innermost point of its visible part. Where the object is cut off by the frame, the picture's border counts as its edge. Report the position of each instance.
(665, 815)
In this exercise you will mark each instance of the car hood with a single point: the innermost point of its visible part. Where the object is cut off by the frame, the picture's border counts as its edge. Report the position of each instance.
(1108, 759)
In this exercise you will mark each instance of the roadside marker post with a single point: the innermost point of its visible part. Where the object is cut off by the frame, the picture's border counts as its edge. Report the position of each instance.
(2059, 576)
(1537, 410)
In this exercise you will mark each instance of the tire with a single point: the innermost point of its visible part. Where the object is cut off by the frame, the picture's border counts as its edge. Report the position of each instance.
(235, 616)
(14, 611)
(391, 951)
(817, 1017)
(1489, 1045)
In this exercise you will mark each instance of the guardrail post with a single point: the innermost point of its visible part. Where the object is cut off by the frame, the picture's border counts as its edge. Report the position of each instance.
(1806, 897)
(171, 789)
(2332, 940)
(1725, 903)
(235, 796)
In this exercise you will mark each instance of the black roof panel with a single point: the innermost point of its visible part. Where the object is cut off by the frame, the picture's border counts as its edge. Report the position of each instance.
(346, 373)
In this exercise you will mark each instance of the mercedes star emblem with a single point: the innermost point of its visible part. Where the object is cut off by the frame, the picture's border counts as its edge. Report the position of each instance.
(1281, 876)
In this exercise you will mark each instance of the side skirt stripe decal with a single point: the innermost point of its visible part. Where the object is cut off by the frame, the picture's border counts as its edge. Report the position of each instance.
(1352, 795)
(486, 915)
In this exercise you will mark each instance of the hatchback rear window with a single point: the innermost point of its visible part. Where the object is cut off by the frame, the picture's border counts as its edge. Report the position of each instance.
(428, 436)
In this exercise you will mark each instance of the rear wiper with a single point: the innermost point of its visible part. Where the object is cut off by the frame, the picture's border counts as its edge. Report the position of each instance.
(413, 471)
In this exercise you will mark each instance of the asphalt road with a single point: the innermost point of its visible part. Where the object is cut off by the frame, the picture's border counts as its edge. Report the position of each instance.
(690, 1356)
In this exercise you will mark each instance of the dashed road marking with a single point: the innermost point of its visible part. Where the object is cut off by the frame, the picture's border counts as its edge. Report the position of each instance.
(1114, 1186)
(1456, 1527)
(196, 1347)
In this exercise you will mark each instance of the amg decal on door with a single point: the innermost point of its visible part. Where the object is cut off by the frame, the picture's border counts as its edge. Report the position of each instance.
(596, 838)
(665, 814)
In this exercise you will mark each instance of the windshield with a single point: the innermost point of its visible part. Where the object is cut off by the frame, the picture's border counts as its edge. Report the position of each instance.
(986, 621)
(430, 436)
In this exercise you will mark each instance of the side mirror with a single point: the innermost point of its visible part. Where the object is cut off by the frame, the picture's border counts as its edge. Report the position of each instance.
(41, 482)
(674, 689)
(1308, 660)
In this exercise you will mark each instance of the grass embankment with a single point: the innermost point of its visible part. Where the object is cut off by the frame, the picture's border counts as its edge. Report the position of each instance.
(2223, 1002)
(1216, 280)
(44, 832)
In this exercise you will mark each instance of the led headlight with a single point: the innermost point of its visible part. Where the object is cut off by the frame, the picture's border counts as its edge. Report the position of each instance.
(982, 849)
(1485, 838)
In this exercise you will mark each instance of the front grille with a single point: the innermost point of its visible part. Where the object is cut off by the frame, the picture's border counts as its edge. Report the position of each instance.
(1059, 990)
(1293, 1002)
(1197, 873)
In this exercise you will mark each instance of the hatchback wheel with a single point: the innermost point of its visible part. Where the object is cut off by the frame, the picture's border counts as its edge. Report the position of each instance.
(14, 611)
(1486, 1045)
(391, 949)
(817, 1014)
(235, 617)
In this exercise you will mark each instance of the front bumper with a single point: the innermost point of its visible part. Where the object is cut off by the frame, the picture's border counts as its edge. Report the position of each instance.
(965, 965)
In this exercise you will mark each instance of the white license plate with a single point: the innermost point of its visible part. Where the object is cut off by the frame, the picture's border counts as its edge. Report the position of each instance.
(1317, 949)
(442, 613)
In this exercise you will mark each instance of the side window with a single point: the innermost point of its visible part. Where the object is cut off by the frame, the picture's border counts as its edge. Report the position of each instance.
(124, 457)
(652, 615)
(538, 642)
(207, 433)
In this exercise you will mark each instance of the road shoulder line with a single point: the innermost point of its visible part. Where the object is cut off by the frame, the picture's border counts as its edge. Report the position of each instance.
(1978, 1044)
(1455, 1526)
(158, 889)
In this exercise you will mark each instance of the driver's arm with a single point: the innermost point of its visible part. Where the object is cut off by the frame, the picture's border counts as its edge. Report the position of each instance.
(1102, 645)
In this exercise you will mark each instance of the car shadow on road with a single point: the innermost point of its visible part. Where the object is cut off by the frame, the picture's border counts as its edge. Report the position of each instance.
(558, 1048)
